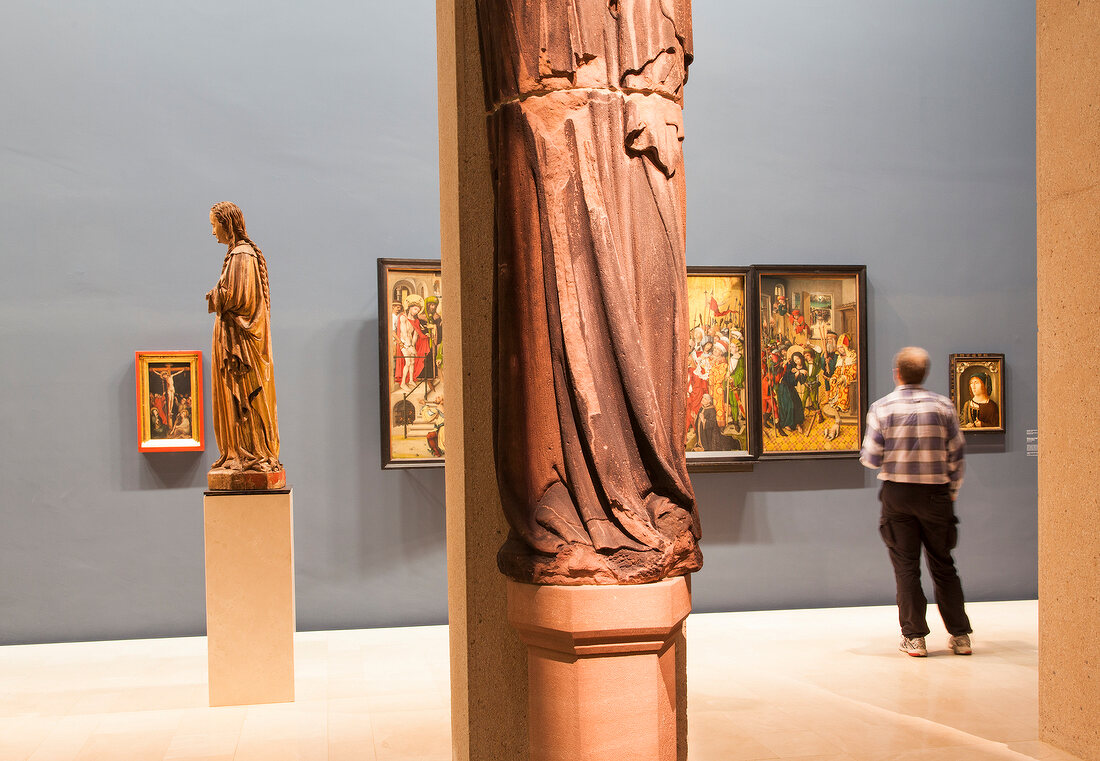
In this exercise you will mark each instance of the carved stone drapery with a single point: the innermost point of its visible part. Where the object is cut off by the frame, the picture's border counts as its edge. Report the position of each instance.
(585, 127)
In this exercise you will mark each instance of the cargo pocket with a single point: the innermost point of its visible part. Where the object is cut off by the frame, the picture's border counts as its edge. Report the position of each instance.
(953, 533)
(945, 520)
(886, 529)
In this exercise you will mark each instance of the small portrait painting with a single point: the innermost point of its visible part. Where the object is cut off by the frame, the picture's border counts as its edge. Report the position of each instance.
(169, 401)
(977, 390)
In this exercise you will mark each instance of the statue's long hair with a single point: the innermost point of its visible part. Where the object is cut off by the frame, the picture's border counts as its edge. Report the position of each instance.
(231, 219)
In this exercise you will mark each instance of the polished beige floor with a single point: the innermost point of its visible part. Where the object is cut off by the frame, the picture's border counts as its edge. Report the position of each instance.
(810, 684)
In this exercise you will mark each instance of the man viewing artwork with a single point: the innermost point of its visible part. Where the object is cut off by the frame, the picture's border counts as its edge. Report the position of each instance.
(913, 435)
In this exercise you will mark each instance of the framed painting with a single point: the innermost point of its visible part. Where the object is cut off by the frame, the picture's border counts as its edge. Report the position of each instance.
(410, 343)
(169, 401)
(811, 381)
(978, 391)
(718, 406)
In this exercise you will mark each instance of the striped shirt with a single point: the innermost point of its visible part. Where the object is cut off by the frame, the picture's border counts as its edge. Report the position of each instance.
(913, 435)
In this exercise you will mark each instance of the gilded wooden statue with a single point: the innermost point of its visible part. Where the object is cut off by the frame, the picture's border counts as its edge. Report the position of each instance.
(246, 423)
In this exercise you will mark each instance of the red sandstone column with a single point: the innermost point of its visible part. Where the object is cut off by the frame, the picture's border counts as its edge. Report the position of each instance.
(602, 668)
(583, 103)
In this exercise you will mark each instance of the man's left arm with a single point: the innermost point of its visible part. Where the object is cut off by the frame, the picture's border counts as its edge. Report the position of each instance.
(873, 442)
(956, 447)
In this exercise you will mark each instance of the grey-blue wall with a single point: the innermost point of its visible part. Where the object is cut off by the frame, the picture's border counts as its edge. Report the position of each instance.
(899, 135)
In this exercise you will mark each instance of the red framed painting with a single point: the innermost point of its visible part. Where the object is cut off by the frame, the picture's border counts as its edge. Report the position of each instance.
(169, 401)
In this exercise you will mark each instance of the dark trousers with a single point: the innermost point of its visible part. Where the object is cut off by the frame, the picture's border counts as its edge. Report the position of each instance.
(915, 515)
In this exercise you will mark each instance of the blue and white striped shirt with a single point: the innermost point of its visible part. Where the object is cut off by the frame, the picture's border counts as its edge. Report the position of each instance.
(913, 435)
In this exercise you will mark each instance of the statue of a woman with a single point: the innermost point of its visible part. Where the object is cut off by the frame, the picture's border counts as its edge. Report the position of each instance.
(246, 424)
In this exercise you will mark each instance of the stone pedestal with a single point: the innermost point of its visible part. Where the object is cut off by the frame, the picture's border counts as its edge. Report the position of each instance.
(250, 596)
(602, 668)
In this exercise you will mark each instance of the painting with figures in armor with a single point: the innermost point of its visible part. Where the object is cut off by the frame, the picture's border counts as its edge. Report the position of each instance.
(812, 376)
(410, 340)
(717, 421)
(169, 401)
(978, 391)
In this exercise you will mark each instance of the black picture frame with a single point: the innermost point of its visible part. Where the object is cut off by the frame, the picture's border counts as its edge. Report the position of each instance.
(836, 304)
(411, 378)
(844, 307)
(707, 320)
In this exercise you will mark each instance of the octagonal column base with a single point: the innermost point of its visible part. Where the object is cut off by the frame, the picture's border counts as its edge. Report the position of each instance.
(602, 668)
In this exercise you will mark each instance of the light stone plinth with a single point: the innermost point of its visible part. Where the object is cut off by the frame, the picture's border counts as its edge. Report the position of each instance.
(250, 597)
(602, 668)
(488, 663)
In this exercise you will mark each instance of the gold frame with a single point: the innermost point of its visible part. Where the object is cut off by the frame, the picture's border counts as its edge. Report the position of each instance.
(191, 404)
(963, 367)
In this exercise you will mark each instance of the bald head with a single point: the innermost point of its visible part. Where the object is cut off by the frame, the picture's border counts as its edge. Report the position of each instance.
(912, 364)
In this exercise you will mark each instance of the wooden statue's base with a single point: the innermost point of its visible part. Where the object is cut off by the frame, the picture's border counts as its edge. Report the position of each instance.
(250, 597)
(602, 668)
(220, 479)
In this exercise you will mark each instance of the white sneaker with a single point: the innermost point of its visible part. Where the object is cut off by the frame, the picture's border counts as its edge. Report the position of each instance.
(913, 646)
(960, 645)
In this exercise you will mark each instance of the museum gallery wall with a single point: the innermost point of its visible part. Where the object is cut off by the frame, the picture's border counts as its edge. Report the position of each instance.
(895, 136)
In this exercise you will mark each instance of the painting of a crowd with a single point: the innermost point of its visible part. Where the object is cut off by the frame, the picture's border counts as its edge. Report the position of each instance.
(812, 376)
(717, 407)
(785, 380)
(412, 334)
(169, 401)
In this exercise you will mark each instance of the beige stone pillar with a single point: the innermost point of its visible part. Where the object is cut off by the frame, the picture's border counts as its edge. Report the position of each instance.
(488, 662)
(249, 540)
(603, 668)
(1067, 127)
